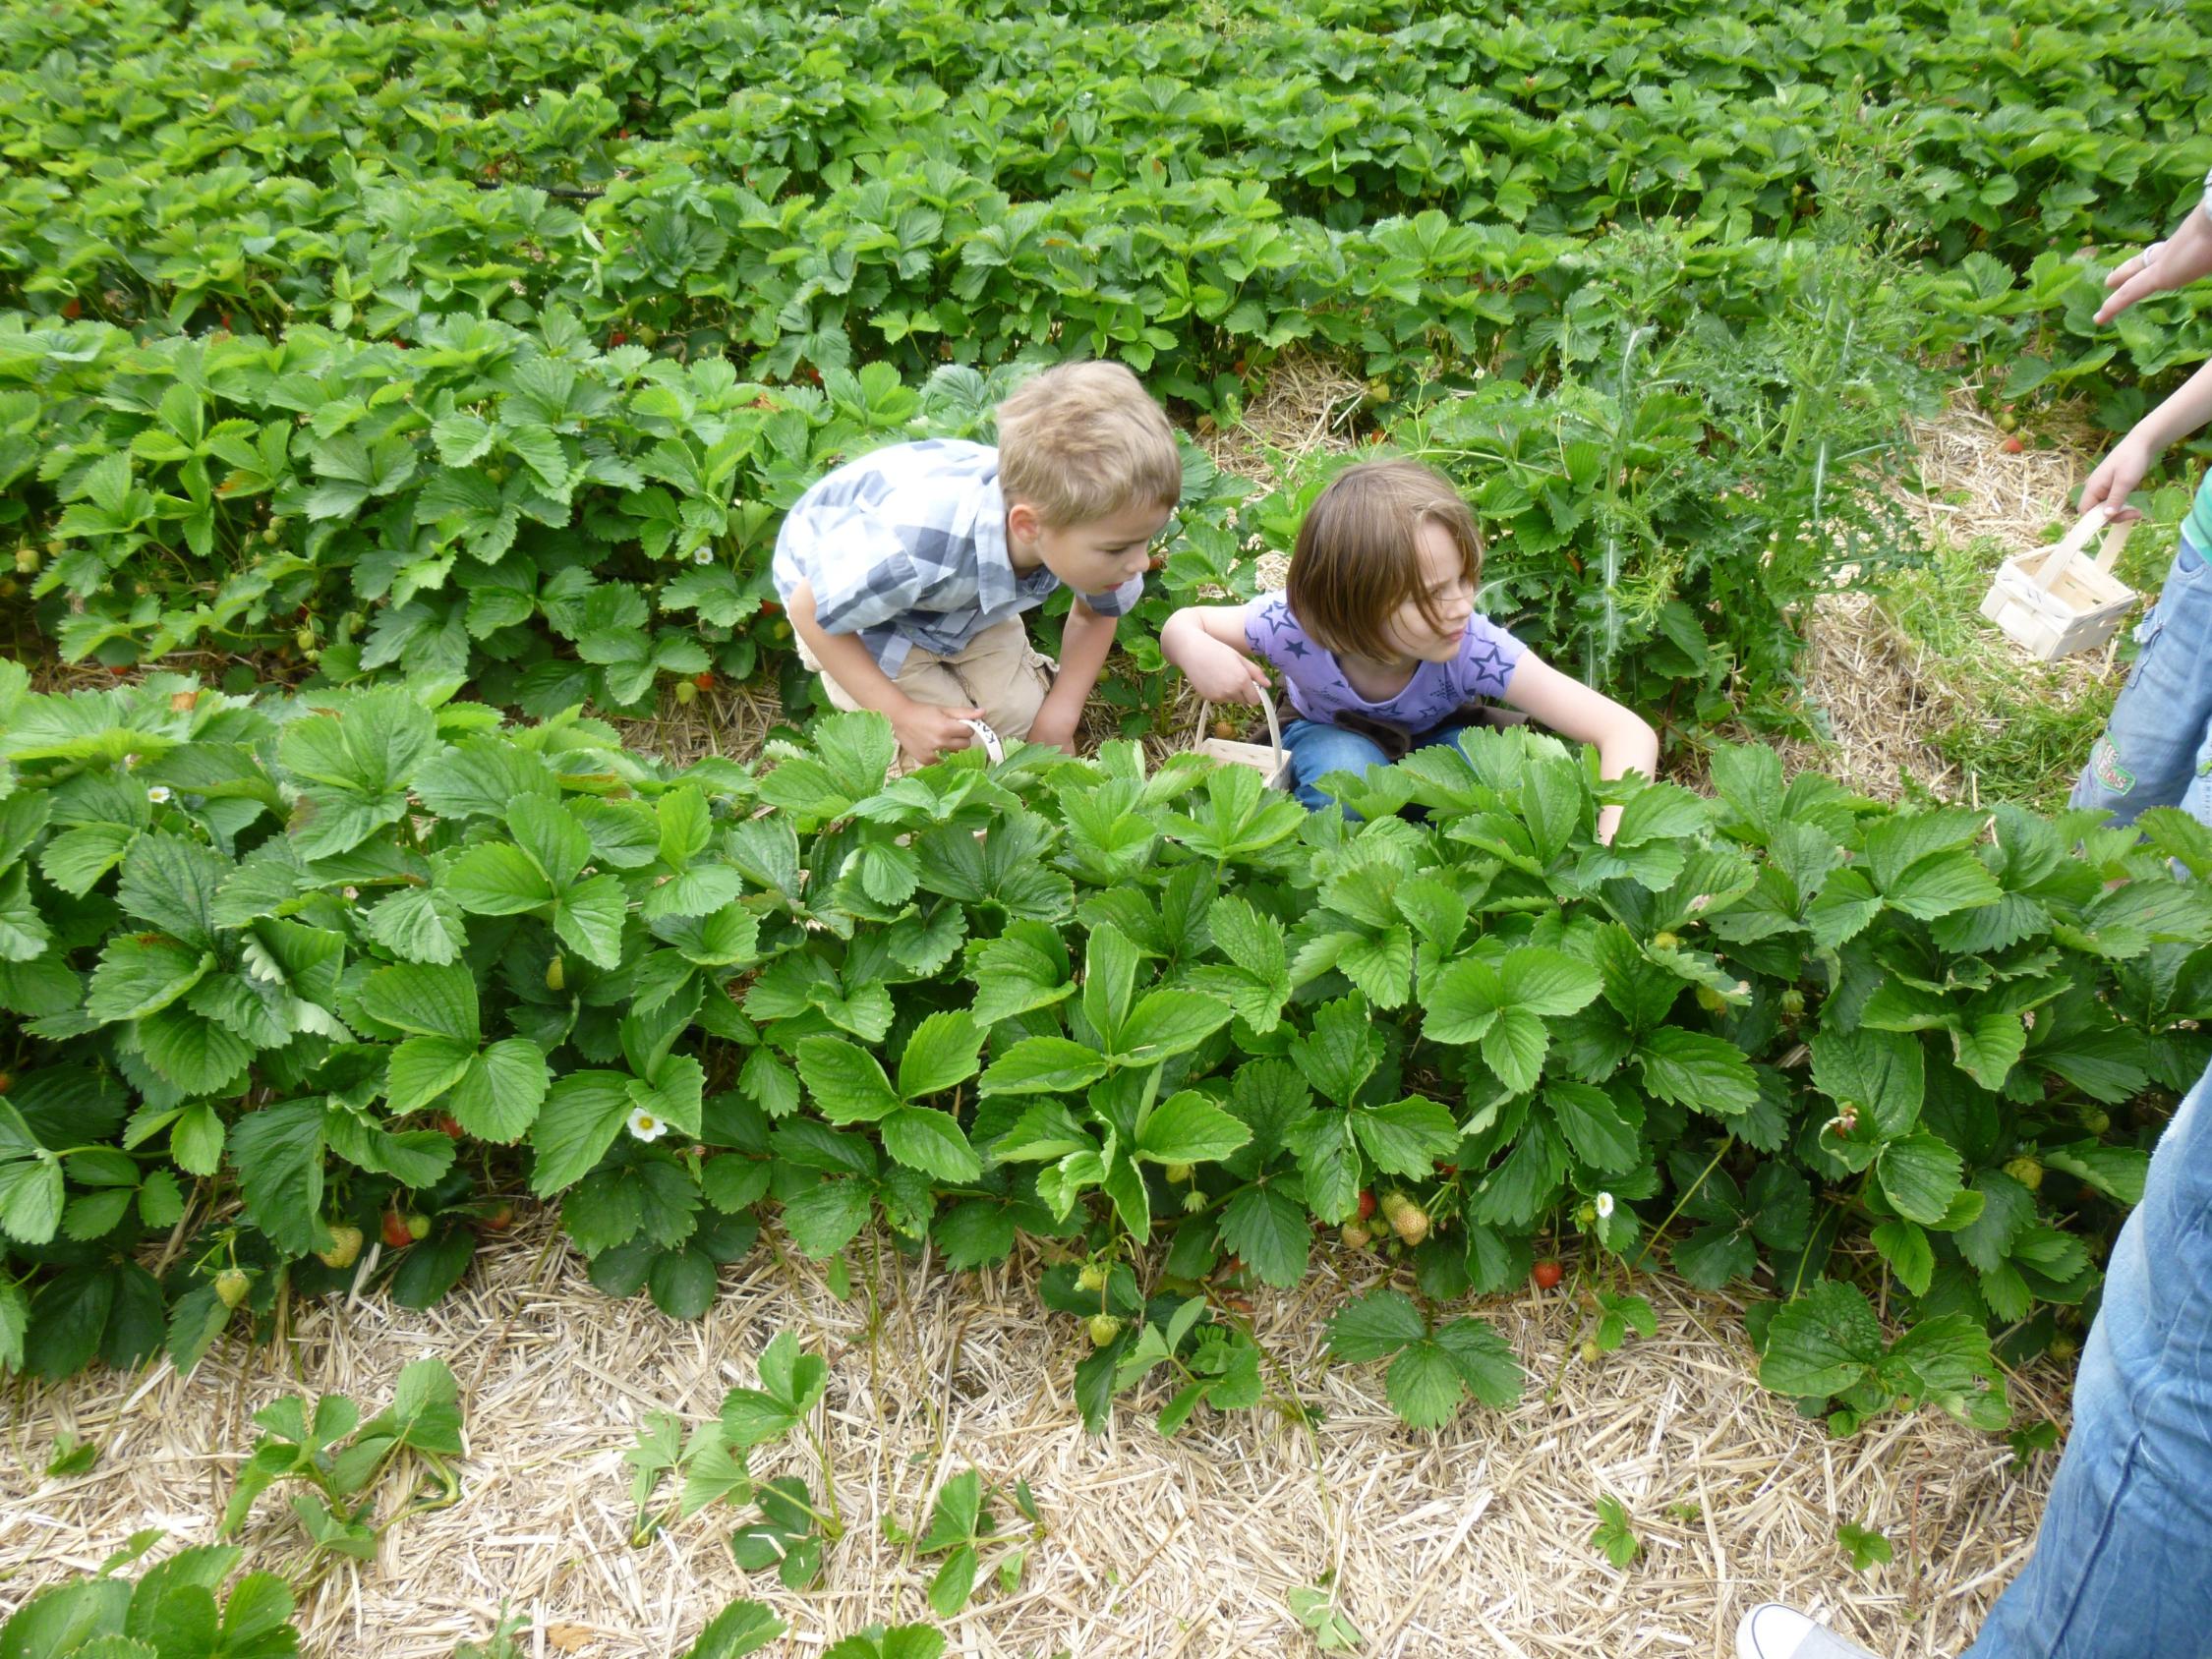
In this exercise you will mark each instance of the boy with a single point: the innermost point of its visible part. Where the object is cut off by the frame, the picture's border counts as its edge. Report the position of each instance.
(905, 572)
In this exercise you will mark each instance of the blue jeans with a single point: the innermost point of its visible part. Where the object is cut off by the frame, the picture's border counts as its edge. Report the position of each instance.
(2123, 1563)
(2157, 747)
(1316, 748)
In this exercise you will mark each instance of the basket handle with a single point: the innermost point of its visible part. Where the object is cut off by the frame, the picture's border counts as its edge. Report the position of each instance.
(2087, 524)
(1274, 727)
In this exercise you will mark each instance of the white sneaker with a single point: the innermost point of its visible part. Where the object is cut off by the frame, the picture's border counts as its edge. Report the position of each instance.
(1770, 1630)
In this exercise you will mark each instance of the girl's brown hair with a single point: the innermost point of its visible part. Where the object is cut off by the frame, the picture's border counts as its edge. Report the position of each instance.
(1357, 562)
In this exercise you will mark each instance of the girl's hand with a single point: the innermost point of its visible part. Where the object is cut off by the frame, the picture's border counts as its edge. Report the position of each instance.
(2161, 267)
(1220, 674)
(2117, 476)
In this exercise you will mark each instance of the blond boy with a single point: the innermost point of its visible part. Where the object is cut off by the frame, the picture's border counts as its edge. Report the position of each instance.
(907, 572)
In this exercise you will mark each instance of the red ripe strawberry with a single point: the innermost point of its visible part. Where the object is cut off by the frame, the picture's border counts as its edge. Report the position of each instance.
(770, 607)
(498, 1218)
(397, 1236)
(1548, 1276)
(1366, 1203)
(2012, 446)
(615, 338)
(446, 1125)
(705, 681)
(1230, 1266)
(72, 307)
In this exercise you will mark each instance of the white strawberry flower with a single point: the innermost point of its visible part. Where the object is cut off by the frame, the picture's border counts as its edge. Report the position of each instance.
(702, 555)
(158, 795)
(646, 1126)
(1604, 1206)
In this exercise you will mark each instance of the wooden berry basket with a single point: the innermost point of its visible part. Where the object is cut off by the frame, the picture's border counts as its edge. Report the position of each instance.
(1268, 759)
(2054, 601)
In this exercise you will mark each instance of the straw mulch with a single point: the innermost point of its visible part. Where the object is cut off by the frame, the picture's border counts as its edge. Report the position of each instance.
(1471, 1540)
(1883, 693)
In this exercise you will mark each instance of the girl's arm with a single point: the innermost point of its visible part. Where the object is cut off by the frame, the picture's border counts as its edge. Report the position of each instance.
(1208, 643)
(1624, 739)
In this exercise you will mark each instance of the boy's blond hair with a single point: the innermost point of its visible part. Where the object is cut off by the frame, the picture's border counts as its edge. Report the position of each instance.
(1355, 561)
(1081, 442)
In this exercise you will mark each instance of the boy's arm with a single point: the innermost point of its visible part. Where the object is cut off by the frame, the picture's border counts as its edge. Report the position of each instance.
(1083, 645)
(1207, 642)
(1624, 739)
(2119, 473)
(924, 731)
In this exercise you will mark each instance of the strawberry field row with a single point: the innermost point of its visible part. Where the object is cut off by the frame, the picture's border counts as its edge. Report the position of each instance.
(562, 523)
(300, 979)
(915, 183)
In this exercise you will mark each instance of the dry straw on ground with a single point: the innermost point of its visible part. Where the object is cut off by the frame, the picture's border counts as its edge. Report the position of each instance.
(1474, 1540)
(1885, 695)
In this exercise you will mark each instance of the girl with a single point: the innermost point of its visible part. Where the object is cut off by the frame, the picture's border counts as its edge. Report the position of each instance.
(1380, 643)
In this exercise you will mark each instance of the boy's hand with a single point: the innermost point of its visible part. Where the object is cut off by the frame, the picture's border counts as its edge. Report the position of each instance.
(1054, 727)
(2117, 477)
(1222, 674)
(926, 731)
(2161, 267)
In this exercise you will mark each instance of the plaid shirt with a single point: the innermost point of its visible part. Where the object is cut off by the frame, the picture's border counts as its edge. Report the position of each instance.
(907, 546)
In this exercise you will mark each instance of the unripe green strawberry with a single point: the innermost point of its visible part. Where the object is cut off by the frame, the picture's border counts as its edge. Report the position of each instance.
(1711, 1001)
(2027, 1172)
(557, 973)
(231, 1286)
(1355, 1235)
(1104, 1328)
(1408, 1220)
(1792, 1002)
(305, 639)
(345, 1246)
(27, 560)
(2063, 1347)
(2096, 1120)
(1591, 1352)
(645, 334)
(1177, 1174)
(686, 693)
(1092, 1279)
(1666, 941)
(418, 1228)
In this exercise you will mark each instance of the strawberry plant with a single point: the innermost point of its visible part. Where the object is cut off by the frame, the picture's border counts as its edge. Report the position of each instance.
(177, 1606)
(263, 959)
(338, 1458)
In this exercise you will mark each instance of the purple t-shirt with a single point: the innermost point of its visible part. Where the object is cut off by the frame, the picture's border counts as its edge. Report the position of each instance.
(1319, 692)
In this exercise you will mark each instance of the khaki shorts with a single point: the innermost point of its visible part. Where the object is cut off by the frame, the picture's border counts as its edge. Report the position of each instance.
(998, 672)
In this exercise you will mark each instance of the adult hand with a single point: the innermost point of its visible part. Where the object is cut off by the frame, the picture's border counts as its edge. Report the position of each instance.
(2117, 476)
(2161, 267)
(924, 731)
